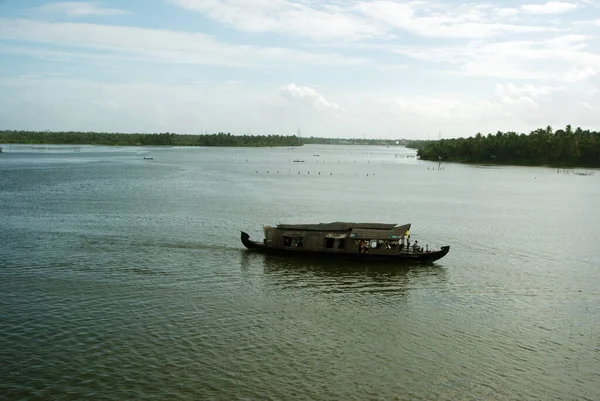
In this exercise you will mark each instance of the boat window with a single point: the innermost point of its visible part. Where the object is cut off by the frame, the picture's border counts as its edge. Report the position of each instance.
(329, 242)
(298, 242)
(287, 241)
(342, 244)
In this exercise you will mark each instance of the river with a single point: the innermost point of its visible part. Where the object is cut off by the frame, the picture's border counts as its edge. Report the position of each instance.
(124, 278)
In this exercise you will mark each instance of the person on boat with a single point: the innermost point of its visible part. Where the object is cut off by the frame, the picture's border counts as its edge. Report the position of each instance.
(416, 246)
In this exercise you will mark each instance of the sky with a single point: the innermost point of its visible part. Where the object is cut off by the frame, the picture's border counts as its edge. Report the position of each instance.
(329, 68)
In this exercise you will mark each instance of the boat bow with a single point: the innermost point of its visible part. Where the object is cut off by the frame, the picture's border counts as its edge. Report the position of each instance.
(248, 243)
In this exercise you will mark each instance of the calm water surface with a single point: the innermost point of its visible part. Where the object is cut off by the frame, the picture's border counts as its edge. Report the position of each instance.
(124, 278)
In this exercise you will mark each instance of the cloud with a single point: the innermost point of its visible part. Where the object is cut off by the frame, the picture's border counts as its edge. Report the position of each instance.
(557, 58)
(511, 95)
(374, 67)
(158, 45)
(437, 108)
(550, 7)
(107, 104)
(508, 107)
(306, 95)
(580, 74)
(79, 9)
(361, 19)
(286, 17)
(587, 106)
(135, 107)
(437, 20)
(505, 12)
(153, 107)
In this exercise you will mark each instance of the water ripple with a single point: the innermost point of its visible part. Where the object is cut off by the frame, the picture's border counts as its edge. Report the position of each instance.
(125, 280)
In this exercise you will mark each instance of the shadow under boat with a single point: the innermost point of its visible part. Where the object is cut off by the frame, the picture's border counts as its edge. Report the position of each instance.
(338, 267)
(343, 277)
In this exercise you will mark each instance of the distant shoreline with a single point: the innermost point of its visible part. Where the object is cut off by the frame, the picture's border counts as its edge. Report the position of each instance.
(163, 139)
(566, 148)
(542, 147)
(171, 139)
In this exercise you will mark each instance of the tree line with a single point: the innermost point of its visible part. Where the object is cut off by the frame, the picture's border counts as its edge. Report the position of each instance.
(172, 139)
(563, 147)
(162, 139)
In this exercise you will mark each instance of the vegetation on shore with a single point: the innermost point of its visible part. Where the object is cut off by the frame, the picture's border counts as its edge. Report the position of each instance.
(566, 147)
(164, 139)
(170, 139)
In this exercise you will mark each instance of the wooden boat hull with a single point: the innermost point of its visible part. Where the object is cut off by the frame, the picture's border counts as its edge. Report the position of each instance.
(424, 257)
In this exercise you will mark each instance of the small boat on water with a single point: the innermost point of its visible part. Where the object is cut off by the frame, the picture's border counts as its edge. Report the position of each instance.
(361, 241)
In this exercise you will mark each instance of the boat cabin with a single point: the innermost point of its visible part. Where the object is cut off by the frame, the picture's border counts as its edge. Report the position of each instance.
(338, 237)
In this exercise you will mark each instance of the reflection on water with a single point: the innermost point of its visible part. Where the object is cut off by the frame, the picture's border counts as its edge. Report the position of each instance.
(127, 279)
(332, 275)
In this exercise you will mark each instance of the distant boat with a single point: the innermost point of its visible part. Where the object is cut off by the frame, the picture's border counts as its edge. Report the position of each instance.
(360, 241)
(148, 158)
(298, 161)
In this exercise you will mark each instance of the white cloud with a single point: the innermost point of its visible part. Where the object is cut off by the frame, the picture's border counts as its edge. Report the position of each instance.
(154, 44)
(550, 7)
(436, 20)
(538, 60)
(530, 91)
(558, 58)
(361, 19)
(151, 107)
(79, 9)
(306, 95)
(365, 67)
(437, 108)
(506, 12)
(135, 107)
(587, 106)
(284, 16)
(580, 74)
(587, 23)
(107, 104)
(510, 107)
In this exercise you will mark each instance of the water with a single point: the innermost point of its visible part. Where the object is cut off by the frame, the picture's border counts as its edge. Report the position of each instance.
(124, 278)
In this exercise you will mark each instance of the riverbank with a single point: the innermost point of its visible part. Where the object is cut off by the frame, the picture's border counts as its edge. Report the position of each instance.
(542, 147)
(136, 139)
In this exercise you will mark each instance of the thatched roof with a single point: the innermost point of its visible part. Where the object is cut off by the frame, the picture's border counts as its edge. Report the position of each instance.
(370, 234)
(336, 226)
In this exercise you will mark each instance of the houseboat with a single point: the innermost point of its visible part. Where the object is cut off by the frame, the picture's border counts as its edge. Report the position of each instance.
(366, 241)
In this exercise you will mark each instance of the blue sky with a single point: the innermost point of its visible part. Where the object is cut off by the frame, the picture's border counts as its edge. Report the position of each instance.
(334, 68)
